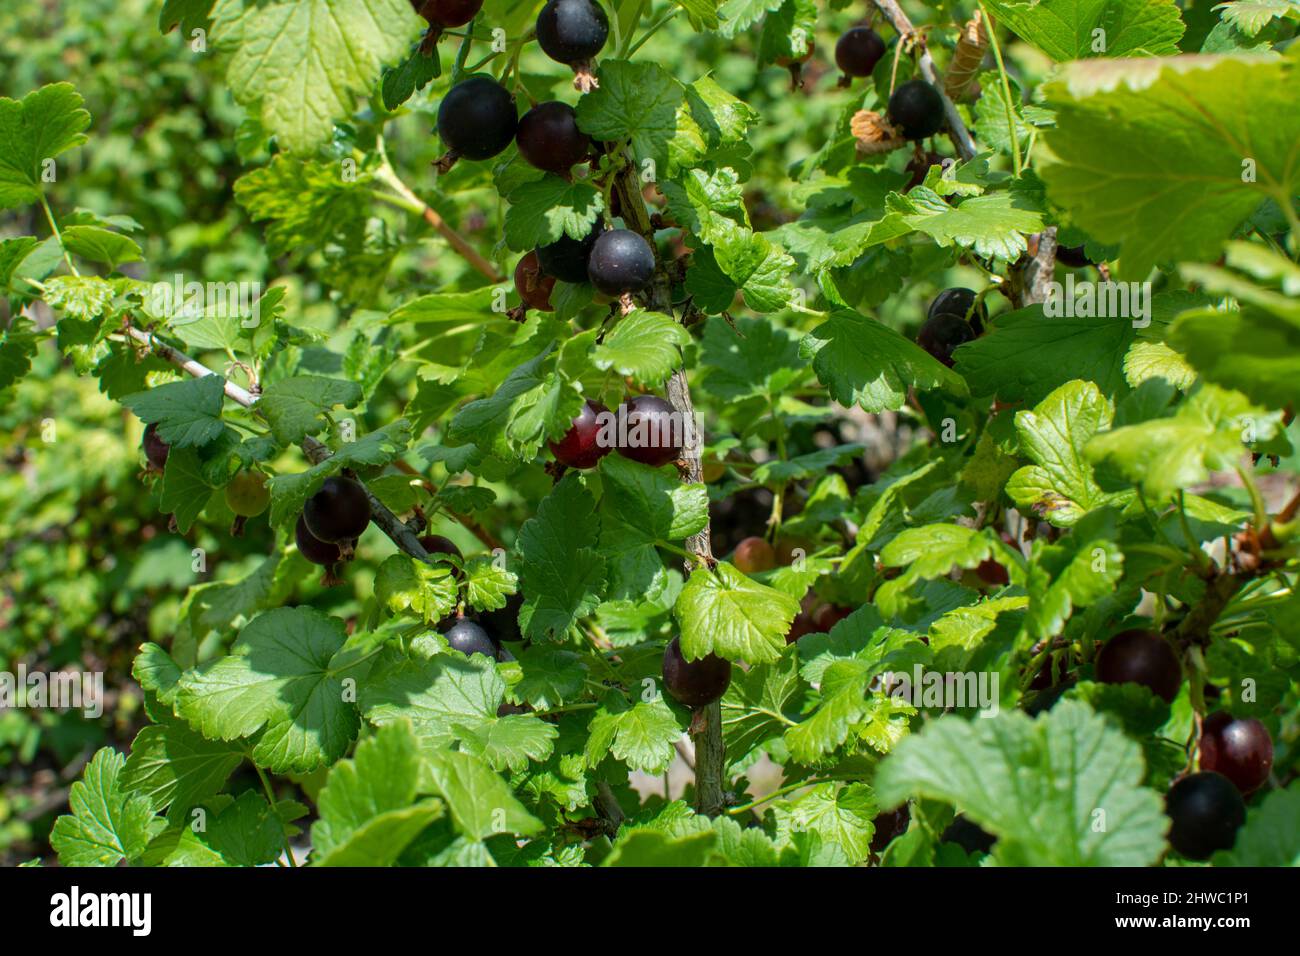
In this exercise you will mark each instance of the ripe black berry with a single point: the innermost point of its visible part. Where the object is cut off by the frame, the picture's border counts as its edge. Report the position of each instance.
(1076, 257)
(753, 555)
(572, 31)
(621, 262)
(324, 553)
(969, 836)
(549, 138)
(566, 258)
(694, 683)
(155, 449)
(1141, 657)
(1205, 810)
(858, 51)
(941, 335)
(477, 118)
(916, 109)
(652, 435)
(579, 448)
(448, 13)
(504, 621)
(534, 286)
(1240, 749)
(468, 638)
(889, 825)
(338, 512)
(959, 301)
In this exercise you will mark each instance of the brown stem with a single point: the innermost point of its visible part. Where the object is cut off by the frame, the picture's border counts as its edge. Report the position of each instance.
(957, 132)
(316, 451)
(473, 527)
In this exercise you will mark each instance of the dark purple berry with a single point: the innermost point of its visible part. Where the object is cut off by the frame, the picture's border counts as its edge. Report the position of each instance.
(549, 138)
(653, 434)
(1143, 657)
(1239, 748)
(469, 638)
(916, 109)
(338, 512)
(621, 262)
(155, 449)
(858, 51)
(477, 118)
(1205, 811)
(694, 683)
(941, 335)
(580, 447)
(572, 31)
(324, 553)
(566, 258)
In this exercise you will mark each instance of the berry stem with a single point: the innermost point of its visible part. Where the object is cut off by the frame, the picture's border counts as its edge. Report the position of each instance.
(957, 131)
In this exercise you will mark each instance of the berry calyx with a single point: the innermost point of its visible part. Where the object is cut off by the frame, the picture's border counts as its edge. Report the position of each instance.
(572, 31)
(1205, 811)
(653, 437)
(477, 119)
(469, 638)
(155, 449)
(533, 285)
(942, 334)
(338, 512)
(858, 51)
(548, 138)
(621, 262)
(566, 258)
(754, 555)
(1141, 657)
(1239, 748)
(694, 683)
(916, 109)
(247, 495)
(580, 448)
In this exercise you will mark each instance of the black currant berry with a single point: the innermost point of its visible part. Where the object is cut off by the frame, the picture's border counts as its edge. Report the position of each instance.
(916, 109)
(1141, 657)
(941, 335)
(436, 544)
(1240, 749)
(1076, 257)
(858, 51)
(694, 683)
(549, 138)
(566, 258)
(477, 118)
(155, 449)
(621, 262)
(533, 285)
(468, 638)
(504, 621)
(580, 448)
(889, 825)
(338, 512)
(652, 434)
(572, 31)
(1205, 810)
(312, 548)
(753, 555)
(959, 301)
(969, 836)
(448, 13)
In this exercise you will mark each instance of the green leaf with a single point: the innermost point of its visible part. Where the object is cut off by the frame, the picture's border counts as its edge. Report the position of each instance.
(33, 130)
(1060, 486)
(1191, 188)
(994, 225)
(645, 346)
(840, 815)
(277, 688)
(562, 574)
(171, 765)
(480, 802)
(247, 832)
(725, 613)
(302, 63)
(754, 706)
(294, 406)
(551, 677)
(862, 362)
(402, 584)
(442, 695)
(1271, 836)
(107, 824)
(187, 413)
(640, 848)
(510, 742)
(368, 808)
(543, 210)
(1063, 790)
(101, 245)
(18, 346)
(1075, 29)
(185, 487)
(636, 102)
(651, 504)
(640, 734)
